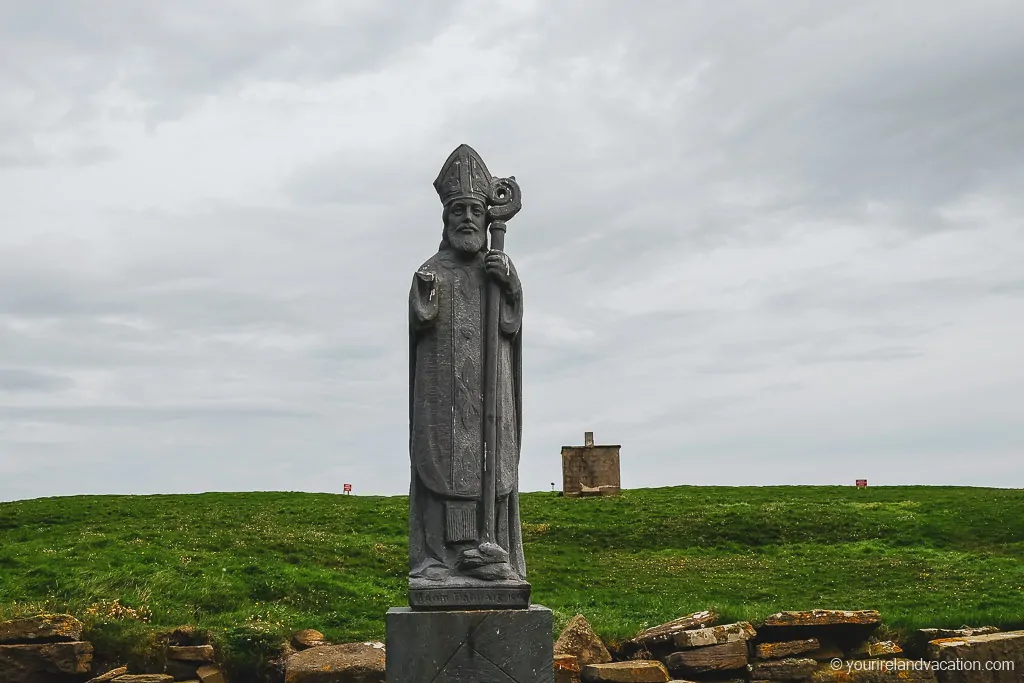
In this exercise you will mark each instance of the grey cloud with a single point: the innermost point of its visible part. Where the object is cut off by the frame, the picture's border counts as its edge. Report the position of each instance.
(114, 415)
(17, 380)
(733, 219)
(169, 56)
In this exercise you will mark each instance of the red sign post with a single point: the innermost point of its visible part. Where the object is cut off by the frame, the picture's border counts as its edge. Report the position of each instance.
(347, 488)
(860, 483)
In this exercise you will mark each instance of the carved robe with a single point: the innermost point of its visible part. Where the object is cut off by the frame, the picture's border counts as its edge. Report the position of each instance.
(447, 307)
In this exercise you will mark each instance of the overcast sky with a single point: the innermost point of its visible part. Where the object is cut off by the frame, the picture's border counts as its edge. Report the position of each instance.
(761, 243)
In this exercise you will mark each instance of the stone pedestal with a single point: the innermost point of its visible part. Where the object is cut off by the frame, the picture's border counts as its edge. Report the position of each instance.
(471, 646)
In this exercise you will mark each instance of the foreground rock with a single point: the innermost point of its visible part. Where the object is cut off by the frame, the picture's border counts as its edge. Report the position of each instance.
(567, 669)
(885, 648)
(191, 653)
(825, 617)
(34, 663)
(307, 638)
(579, 639)
(1004, 650)
(727, 657)
(783, 670)
(739, 632)
(42, 628)
(625, 672)
(663, 633)
(109, 676)
(917, 643)
(143, 678)
(346, 663)
(210, 674)
(874, 671)
(786, 648)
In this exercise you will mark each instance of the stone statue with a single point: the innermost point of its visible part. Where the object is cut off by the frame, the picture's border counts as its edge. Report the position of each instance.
(465, 400)
(469, 617)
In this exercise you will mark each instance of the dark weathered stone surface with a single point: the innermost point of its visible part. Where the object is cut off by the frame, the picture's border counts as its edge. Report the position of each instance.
(579, 639)
(307, 638)
(712, 658)
(471, 645)
(182, 670)
(41, 628)
(824, 617)
(786, 648)
(567, 669)
(210, 674)
(783, 669)
(109, 675)
(663, 632)
(345, 663)
(143, 678)
(881, 671)
(191, 653)
(625, 672)
(32, 663)
(714, 635)
(1005, 648)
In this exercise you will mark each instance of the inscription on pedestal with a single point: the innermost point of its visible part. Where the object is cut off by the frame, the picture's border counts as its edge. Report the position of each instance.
(424, 596)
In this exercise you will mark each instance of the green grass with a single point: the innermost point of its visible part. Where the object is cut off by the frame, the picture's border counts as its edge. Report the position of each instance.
(250, 568)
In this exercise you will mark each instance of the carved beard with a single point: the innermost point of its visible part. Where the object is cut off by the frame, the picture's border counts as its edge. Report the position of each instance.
(467, 243)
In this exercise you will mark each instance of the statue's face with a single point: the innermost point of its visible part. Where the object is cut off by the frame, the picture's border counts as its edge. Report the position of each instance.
(465, 220)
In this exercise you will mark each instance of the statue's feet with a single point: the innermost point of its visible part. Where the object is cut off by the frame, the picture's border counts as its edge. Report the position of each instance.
(432, 572)
(499, 571)
(482, 555)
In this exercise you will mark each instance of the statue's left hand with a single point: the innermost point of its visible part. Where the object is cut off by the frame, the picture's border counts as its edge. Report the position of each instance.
(498, 266)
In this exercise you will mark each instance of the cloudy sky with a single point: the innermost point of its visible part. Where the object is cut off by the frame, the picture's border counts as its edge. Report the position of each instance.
(761, 243)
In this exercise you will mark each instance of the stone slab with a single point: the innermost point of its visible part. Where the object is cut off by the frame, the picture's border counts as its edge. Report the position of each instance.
(714, 635)
(344, 663)
(917, 643)
(1004, 650)
(625, 672)
(825, 617)
(663, 633)
(191, 653)
(786, 648)
(790, 669)
(469, 646)
(725, 657)
(44, 661)
(44, 627)
(460, 594)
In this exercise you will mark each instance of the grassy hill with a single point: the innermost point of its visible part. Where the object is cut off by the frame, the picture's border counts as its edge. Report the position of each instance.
(253, 567)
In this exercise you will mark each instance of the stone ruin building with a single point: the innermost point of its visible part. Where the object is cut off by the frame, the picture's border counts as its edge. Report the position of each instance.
(590, 470)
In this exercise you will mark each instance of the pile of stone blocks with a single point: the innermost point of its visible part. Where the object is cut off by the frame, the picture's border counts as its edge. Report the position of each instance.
(43, 649)
(816, 646)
